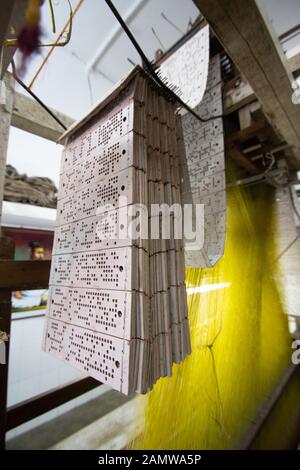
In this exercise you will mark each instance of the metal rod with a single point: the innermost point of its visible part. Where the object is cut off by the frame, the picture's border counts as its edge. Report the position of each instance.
(171, 23)
(151, 72)
(22, 84)
(284, 37)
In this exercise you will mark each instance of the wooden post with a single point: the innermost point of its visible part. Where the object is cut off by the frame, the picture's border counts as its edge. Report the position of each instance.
(6, 11)
(7, 249)
(6, 106)
(248, 38)
(14, 18)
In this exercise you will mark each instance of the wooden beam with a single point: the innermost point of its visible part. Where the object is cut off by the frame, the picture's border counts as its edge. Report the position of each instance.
(237, 155)
(6, 105)
(247, 36)
(236, 94)
(248, 132)
(6, 10)
(22, 275)
(118, 429)
(36, 406)
(247, 113)
(15, 23)
(29, 116)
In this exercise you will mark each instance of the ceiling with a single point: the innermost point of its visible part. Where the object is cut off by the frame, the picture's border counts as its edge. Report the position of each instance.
(63, 83)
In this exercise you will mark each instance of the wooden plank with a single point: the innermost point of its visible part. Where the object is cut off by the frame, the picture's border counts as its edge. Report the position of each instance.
(113, 431)
(6, 104)
(236, 94)
(248, 132)
(247, 36)
(29, 116)
(7, 249)
(237, 155)
(246, 114)
(40, 404)
(22, 275)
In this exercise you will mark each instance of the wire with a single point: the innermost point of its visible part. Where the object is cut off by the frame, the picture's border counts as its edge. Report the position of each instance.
(149, 68)
(158, 40)
(90, 88)
(171, 23)
(22, 84)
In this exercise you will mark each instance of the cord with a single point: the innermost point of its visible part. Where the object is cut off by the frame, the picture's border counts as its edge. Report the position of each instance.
(149, 68)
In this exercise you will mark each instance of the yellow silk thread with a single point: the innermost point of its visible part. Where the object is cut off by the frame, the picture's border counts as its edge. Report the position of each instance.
(240, 340)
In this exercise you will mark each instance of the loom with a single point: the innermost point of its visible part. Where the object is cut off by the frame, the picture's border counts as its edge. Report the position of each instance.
(129, 327)
(191, 323)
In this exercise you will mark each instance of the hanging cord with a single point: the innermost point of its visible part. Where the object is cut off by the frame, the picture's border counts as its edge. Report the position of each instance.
(149, 68)
(22, 84)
